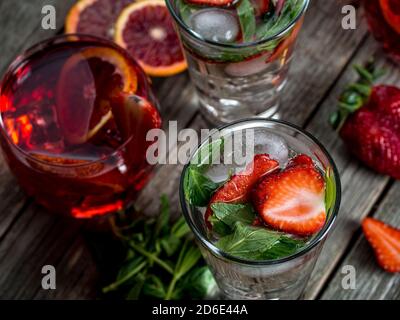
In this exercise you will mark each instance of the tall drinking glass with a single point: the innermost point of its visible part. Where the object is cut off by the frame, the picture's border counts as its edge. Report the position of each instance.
(280, 278)
(238, 76)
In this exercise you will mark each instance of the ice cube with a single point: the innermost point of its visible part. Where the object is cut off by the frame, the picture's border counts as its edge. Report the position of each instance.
(218, 25)
(220, 172)
(248, 67)
(272, 144)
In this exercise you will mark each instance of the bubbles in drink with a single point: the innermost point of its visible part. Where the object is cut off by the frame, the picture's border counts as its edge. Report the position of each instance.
(218, 25)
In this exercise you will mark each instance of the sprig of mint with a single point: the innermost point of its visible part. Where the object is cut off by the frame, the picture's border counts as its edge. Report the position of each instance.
(357, 94)
(162, 260)
(198, 188)
(255, 243)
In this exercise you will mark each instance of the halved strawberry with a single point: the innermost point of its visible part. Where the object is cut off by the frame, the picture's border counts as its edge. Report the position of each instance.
(214, 3)
(385, 240)
(292, 200)
(237, 189)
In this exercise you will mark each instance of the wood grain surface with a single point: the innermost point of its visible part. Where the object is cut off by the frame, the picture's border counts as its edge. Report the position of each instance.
(83, 252)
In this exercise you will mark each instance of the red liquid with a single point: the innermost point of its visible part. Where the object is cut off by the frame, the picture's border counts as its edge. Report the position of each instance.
(71, 130)
(384, 21)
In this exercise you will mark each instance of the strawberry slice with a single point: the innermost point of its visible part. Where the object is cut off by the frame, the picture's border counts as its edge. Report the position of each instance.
(213, 3)
(237, 189)
(292, 200)
(385, 240)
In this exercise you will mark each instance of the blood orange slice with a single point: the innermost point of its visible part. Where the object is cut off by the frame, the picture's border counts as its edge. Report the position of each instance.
(95, 17)
(146, 30)
(391, 12)
(87, 82)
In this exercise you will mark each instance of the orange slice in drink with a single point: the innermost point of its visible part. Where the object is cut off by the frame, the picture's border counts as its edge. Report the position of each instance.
(146, 30)
(87, 82)
(94, 17)
(391, 12)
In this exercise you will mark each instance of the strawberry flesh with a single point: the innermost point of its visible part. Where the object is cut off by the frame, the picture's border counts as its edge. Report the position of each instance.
(292, 200)
(237, 189)
(385, 240)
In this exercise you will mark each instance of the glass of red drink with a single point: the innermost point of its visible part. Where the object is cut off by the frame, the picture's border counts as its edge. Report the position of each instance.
(74, 114)
(384, 22)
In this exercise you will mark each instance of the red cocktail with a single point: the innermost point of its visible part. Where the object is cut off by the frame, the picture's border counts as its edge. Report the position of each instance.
(75, 111)
(384, 21)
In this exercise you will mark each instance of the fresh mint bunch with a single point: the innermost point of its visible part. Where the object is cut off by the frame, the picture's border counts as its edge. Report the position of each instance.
(162, 260)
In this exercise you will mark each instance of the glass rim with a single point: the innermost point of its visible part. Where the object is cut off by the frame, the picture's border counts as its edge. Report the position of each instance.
(19, 60)
(197, 36)
(313, 243)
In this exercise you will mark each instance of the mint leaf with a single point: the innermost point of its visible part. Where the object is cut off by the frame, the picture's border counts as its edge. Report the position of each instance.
(255, 243)
(154, 287)
(185, 11)
(163, 218)
(208, 154)
(198, 188)
(199, 282)
(285, 247)
(247, 19)
(330, 190)
(226, 215)
(291, 9)
(134, 292)
(180, 228)
(248, 242)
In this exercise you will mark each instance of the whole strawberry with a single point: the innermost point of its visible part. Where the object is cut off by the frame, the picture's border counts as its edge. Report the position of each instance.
(368, 121)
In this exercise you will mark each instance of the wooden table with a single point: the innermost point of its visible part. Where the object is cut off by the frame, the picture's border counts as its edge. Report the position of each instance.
(31, 238)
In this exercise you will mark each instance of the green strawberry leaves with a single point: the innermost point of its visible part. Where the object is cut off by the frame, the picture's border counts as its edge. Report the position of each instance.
(356, 95)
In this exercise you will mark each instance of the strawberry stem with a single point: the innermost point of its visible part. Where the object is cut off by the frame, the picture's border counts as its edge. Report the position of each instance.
(357, 94)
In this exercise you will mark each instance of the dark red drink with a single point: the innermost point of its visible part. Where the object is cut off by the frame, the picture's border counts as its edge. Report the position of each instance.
(384, 21)
(75, 112)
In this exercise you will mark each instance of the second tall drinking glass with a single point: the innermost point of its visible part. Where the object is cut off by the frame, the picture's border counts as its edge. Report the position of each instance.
(239, 54)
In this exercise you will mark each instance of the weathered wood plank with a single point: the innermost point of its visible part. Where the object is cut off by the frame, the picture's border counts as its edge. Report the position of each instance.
(323, 51)
(361, 186)
(20, 25)
(372, 283)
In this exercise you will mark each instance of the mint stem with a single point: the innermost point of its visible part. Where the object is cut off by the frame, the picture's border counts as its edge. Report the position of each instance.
(115, 285)
(152, 257)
